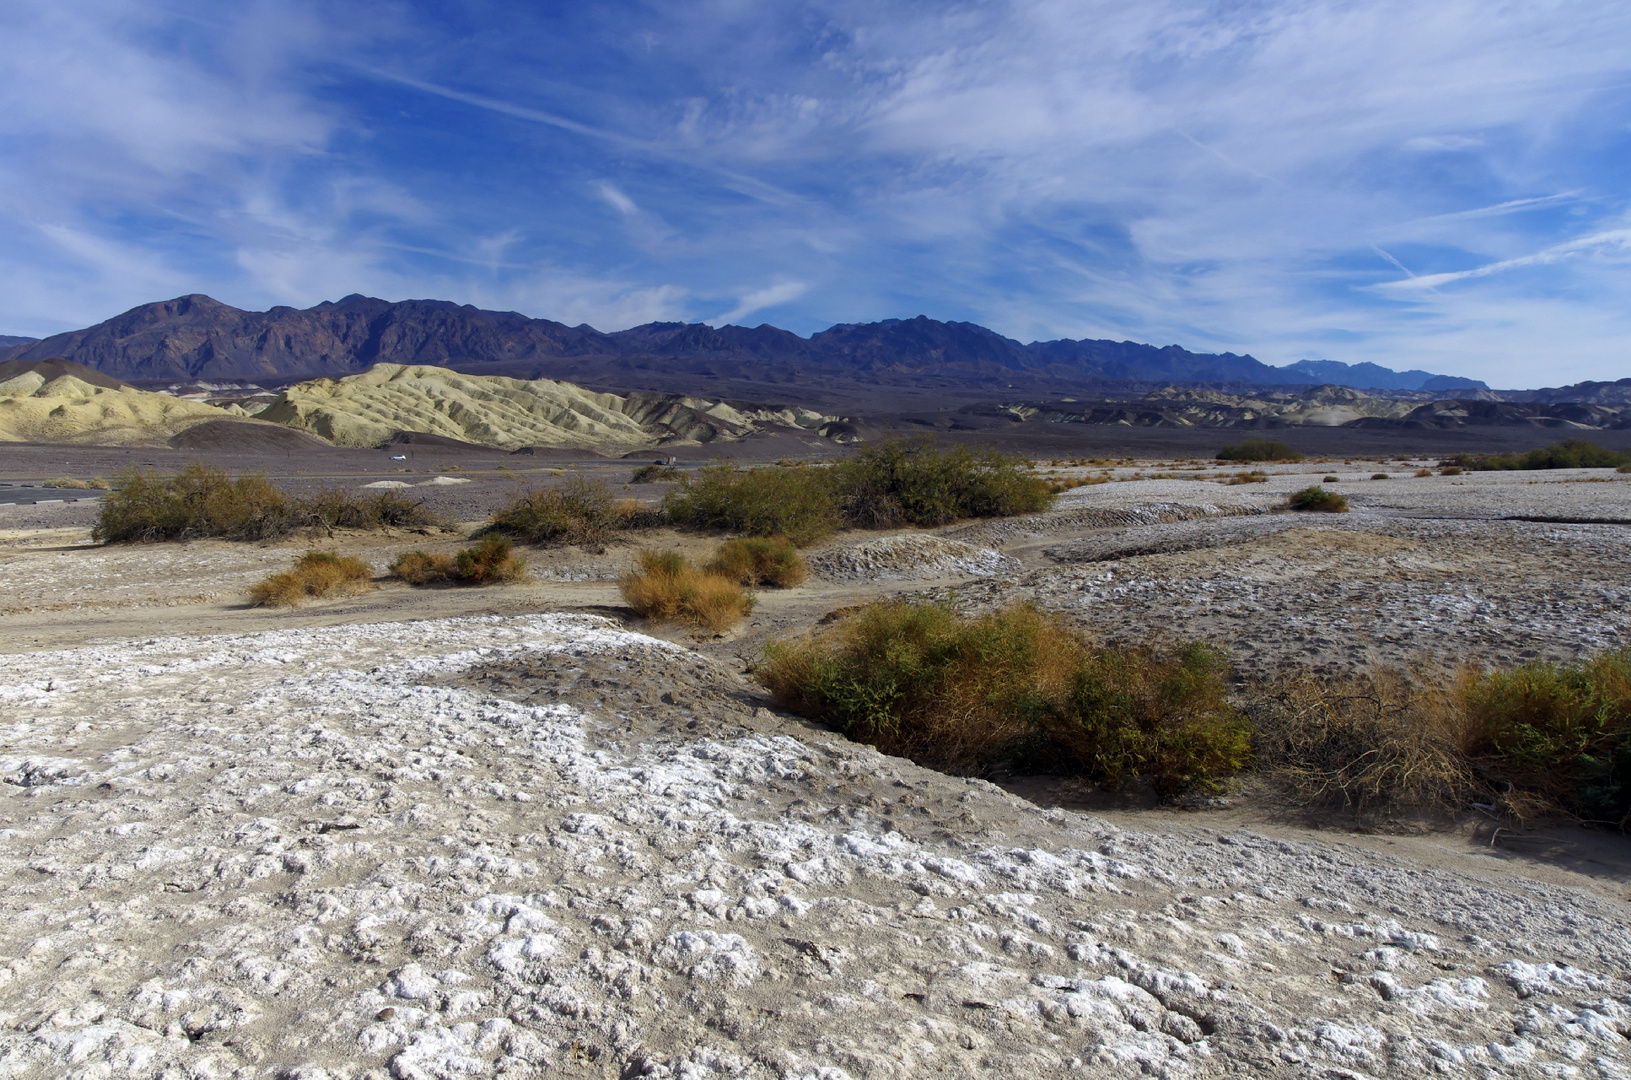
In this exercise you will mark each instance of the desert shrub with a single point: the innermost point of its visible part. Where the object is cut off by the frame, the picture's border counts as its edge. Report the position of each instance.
(199, 501)
(1450, 471)
(655, 474)
(1331, 480)
(315, 574)
(340, 509)
(1370, 744)
(665, 587)
(78, 485)
(1626, 468)
(1253, 476)
(489, 562)
(580, 511)
(1379, 476)
(795, 502)
(1259, 450)
(1561, 730)
(1318, 500)
(964, 694)
(760, 560)
(1424, 472)
(1568, 454)
(916, 482)
(196, 502)
(420, 568)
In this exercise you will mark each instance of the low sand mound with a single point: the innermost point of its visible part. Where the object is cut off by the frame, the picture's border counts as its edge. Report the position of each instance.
(46, 402)
(245, 436)
(898, 558)
(372, 408)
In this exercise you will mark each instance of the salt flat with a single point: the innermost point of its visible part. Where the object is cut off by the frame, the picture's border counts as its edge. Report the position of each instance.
(494, 846)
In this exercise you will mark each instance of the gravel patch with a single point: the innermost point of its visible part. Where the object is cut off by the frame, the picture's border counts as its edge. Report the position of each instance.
(543, 845)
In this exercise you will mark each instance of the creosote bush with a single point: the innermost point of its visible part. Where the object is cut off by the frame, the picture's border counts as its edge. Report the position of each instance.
(1331, 480)
(77, 484)
(796, 502)
(760, 560)
(580, 511)
(490, 562)
(315, 574)
(966, 694)
(200, 501)
(1317, 500)
(897, 483)
(1379, 476)
(1568, 454)
(1260, 450)
(1252, 476)
(665, 587)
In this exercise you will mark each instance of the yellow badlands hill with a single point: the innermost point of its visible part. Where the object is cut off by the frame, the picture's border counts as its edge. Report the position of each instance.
(366, 410)
(35, 408)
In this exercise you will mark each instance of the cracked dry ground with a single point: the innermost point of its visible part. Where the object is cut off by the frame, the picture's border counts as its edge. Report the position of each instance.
(543, 845)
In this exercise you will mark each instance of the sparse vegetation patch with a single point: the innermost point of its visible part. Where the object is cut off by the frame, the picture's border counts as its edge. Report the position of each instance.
(1568, 454)
(656, 474)
(490, 562)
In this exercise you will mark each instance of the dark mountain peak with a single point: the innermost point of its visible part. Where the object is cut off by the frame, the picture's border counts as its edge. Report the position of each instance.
(1375, 377)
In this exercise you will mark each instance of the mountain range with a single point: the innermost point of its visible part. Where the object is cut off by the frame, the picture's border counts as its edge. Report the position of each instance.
(196, 338)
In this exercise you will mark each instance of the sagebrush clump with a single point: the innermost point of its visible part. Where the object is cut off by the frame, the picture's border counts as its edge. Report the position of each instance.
(580, 511)
(663, 586)
(797, 502)
(760, 560)
(316, 574)
(1316, 499)
(967, 694)
(491, 561)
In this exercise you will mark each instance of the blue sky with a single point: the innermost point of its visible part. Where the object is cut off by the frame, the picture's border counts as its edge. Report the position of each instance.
(1440, 185)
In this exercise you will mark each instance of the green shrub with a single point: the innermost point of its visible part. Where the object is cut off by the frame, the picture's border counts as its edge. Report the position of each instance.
(1317, 499)
(315, 574)
(1331, 480)
(964, 695)
(1563, 730)
(1568, 454)
(580, 511)
(1259, 450)
(656, 474)
(339, 509)
(200, 501)
(665, 587)
(419, 568)
(196, 502)
(1454, 470)
(795, 502)
(1379, 476)
(915, 482)
(489, 562)
(896, 483)
(760, 560)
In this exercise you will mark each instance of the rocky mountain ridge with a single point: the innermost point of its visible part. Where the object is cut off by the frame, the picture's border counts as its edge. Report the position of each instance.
(198, 338)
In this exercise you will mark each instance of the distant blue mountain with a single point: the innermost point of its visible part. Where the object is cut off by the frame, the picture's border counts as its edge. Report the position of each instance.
(196, 337)
(1376, 377)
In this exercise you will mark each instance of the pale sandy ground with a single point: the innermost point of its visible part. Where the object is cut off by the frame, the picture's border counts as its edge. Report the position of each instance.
(505, 832)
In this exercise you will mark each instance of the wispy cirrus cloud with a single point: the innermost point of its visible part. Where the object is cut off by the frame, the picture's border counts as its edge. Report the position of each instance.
(1253, 177)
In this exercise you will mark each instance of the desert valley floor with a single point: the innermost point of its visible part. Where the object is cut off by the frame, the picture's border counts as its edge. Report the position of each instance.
(518, 832)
